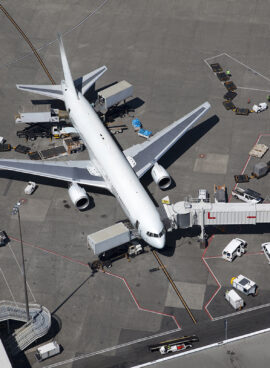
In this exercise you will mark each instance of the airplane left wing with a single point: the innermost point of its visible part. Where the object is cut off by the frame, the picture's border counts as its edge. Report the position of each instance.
(82, 172)
(143, 156)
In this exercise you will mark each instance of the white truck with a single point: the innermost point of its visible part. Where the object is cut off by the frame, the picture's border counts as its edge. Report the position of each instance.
(165, 349)
(244, 285)
(247, 195)
(236, 248)
(40, 114)
(266, 249)
(46, 351)
(234, 299)
(62, 132)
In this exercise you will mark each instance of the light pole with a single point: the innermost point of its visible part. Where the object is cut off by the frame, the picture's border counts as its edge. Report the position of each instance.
(16, 210)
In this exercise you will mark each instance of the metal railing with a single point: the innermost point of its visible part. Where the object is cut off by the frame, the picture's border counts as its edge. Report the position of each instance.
(38, 325)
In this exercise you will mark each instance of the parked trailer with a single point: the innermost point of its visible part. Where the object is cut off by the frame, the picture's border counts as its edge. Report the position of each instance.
(46, 351)
(40, 114)
(234, 299)
(113, 96)
(32, 132)
(109, 238)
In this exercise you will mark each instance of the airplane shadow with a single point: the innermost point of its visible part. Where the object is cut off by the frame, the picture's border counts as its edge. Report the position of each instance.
(184, 143)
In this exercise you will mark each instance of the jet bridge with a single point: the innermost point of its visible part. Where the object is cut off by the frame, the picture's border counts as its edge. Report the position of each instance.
(192, 212)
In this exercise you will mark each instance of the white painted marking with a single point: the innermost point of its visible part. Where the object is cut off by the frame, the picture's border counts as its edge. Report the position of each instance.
(203, 348)
(8, 286)
(242, 312)
(254, 89)
(88, 355)
(21, 272)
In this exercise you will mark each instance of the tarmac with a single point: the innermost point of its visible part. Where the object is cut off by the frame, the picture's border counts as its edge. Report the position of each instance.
(164, 49)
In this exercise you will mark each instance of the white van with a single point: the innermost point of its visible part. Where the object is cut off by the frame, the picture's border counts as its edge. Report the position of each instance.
(235, 248)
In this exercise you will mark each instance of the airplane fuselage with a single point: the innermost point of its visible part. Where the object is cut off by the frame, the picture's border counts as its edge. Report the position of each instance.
(113, 166)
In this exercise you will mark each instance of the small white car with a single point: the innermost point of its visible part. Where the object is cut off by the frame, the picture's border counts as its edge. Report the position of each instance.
(260, 107)
(30, 188)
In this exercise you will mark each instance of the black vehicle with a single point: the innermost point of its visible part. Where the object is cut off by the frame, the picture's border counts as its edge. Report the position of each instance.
(33, 131)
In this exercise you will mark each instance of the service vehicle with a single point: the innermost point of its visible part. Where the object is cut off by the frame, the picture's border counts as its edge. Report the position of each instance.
(203, 195)
(179, 340)
(166, 349)
(134, 250)
(30, 188)
(236, 248)
(244, 285)
(220, 193)
(48, 350)
(62, 132)
(234, 299)
(266, 249)
(260, 107)
(33, 131)
(40, 114)
(247, 195)
(3, 237)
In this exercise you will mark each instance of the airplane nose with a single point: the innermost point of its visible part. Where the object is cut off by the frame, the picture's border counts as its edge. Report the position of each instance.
(158, 243)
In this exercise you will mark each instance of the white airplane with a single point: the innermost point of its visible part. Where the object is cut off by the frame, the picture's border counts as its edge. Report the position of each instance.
(108, 167)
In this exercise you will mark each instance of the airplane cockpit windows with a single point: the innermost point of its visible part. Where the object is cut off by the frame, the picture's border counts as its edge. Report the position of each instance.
(154, 235)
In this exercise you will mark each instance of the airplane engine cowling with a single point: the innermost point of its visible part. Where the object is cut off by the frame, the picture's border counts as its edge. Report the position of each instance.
(78, 196)
(161, 176)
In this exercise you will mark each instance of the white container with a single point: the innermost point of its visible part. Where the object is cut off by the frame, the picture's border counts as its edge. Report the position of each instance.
(236, 248)
(109, 238)
(115, 94)
(234, 299)
(47, 351)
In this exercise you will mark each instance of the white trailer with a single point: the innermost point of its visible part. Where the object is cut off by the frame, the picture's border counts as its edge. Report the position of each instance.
(266, 250)
(234, 299)
(109, 238)
(245, 285)
(113, 95)
(40, 114)
(47, 351)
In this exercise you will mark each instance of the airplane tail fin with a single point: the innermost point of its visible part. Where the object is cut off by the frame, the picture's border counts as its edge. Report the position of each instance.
(81, 84)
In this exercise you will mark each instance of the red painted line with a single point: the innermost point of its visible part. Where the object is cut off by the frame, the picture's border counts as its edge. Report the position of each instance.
(108, 273)
(50, 251)
(210, 218)
(137, 303)
(212, 237)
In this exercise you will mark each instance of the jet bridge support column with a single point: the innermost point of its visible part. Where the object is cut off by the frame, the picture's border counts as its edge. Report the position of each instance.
(203, 235)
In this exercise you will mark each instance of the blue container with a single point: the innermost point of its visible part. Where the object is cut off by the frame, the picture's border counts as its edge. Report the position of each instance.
(136, 123)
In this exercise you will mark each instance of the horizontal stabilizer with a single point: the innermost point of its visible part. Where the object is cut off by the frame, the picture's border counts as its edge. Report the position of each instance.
(82, 84)
(52, 91)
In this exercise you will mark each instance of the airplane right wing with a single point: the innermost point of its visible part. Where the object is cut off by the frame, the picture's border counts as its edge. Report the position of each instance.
(81, 172)
(143, 156)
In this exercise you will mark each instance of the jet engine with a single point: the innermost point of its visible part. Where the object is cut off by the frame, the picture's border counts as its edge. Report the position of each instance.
(161, 176)
(78, 196)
